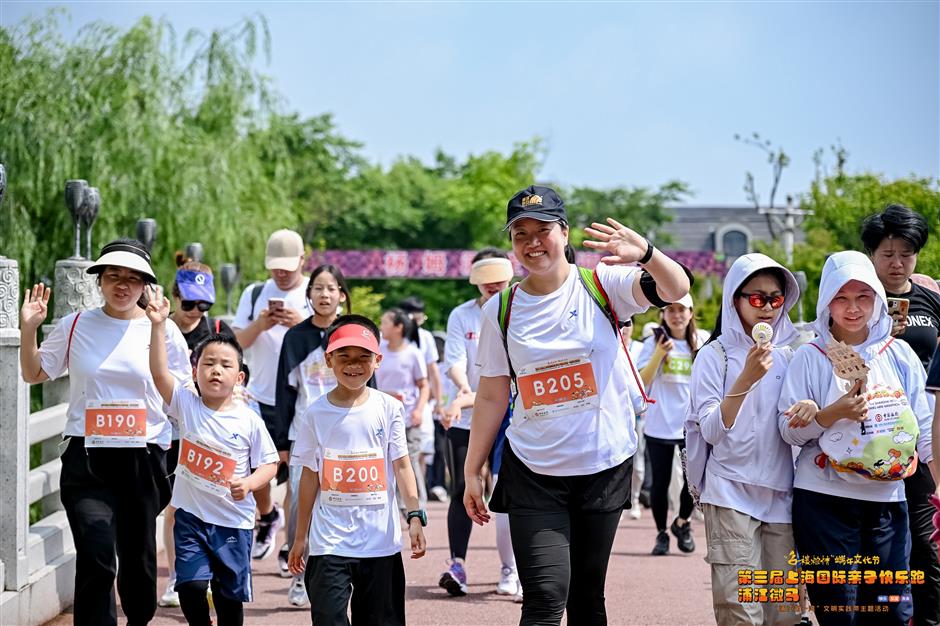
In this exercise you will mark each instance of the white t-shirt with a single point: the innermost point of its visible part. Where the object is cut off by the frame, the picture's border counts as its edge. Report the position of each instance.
(262, 356)
(364, 530)
(428, 346)
(312, 378)
(665, 418)
(460, 350)
(568, 323)
(109, 360)
(399, 373)
(238, 431)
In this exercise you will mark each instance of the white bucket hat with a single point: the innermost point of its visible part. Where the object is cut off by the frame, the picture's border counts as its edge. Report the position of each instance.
(126, 253)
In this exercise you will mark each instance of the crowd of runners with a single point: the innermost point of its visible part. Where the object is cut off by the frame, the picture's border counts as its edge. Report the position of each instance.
(541, 416)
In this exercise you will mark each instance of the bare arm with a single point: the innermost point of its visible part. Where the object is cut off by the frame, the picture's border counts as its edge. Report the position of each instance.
(158, 310)
(248, 335)
(434, 378)
(306, 496)
(648, 373)
(408, 485)
(258, 478)
(34, 311)
(671, 281)
(458, 376)
(492, 398)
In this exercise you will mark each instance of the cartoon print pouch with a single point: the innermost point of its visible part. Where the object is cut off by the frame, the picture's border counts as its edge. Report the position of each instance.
(883, 446)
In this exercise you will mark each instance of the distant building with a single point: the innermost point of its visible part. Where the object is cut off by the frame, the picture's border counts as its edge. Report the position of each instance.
(724, 230)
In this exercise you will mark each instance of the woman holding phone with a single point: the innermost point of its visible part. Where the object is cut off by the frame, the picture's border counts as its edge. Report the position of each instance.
(113, 482)
(893, 239)
(666, 368)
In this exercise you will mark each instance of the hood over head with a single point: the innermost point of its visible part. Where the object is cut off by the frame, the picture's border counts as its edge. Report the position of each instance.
(744, 266)
(839, 269)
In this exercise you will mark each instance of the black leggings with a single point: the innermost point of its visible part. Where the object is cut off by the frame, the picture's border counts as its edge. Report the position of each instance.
(458, 522)
(662, 452)
(195, 605)
(562, 561)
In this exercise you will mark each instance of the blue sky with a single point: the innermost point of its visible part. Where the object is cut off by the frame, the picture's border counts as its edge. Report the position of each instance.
(622, 93)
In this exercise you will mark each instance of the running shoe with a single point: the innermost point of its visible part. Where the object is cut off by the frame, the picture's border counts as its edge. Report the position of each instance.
(282, 555)
(170, 597)
(508, 584)
(683, 536)
(297, 594)
(267, 534)
(454, 580)
(439, 493)
(635, 511)
(662, 543)
(644, 499)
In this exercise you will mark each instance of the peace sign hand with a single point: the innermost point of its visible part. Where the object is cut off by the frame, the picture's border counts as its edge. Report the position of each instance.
(623, 245)
(158, 309)
(35, 308)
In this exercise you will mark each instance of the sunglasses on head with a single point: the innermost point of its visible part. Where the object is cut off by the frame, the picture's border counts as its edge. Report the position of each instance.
(759, 300)
(189, 305)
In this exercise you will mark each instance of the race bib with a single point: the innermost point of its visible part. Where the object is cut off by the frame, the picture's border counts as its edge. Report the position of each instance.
(353, 477)
(206, 467)
(677, 368)
(115, 424)
(557, 388)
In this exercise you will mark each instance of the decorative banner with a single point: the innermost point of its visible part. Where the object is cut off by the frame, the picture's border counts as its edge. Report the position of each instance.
(455, 264)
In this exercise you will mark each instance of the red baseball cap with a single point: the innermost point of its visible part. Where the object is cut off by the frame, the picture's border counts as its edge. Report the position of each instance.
(353, 335)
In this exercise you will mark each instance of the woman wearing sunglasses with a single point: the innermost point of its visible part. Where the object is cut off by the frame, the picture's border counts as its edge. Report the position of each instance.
(193, 296)
(665, 365)
(746, 478)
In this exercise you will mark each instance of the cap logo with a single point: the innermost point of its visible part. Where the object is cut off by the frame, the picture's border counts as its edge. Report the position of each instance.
(200, 279)
(366, 333)
(531, 201)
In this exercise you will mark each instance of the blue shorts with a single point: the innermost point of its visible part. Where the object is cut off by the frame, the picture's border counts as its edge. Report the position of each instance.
(209, 552)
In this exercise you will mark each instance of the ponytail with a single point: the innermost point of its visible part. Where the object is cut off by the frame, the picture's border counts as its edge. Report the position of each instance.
(569, 253)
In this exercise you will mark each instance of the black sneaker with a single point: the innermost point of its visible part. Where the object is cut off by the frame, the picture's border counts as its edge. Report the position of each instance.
(683, 536)
(662, 544)
(644, 499)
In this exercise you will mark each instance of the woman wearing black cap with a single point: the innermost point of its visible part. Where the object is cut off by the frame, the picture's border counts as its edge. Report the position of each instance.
(113, 482)
(565, 473)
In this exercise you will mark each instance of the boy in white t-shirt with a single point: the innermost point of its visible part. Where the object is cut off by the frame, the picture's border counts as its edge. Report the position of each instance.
(221, 439)
(351, 442)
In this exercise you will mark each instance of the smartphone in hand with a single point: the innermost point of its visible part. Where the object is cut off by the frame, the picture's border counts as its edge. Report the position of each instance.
(659, 334)
(898, 308)
(275, 304)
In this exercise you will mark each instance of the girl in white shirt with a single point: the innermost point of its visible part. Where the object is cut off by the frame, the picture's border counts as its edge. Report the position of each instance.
(848, 492)
(404, 376)
(666, 367)
(746, 488)
(565, 473)
(114, 466)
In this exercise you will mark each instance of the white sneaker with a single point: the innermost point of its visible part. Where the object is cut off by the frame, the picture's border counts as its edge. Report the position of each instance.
(263, 544)
(635, 512)
(170, 597)
(440, 494)
(297, 594)
(508, 584)
(282, 555)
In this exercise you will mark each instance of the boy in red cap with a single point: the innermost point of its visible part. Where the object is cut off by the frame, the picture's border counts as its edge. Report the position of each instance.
(351, 444)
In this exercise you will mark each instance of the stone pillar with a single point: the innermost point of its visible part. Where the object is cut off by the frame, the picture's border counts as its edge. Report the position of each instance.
(73, 290)
(14, 447)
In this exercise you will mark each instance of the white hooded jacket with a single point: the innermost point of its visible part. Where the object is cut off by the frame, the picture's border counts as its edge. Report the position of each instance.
(810, 376)
(751, 451)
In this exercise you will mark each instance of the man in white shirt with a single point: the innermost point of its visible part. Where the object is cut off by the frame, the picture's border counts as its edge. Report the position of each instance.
(265, 312)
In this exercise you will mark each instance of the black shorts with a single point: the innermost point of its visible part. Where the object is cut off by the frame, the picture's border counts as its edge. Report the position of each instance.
(521, 491)
(372, 589)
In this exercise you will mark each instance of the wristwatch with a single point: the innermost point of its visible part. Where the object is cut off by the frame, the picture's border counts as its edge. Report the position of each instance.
(421, 514)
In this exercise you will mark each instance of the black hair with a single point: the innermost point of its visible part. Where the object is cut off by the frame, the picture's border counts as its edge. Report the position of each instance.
(774, 272)
(412, 304)
(344, 320)
(897, 221)
(223, 338)
(247, 372)
(489, 253)
(337, 274)
(400, 318)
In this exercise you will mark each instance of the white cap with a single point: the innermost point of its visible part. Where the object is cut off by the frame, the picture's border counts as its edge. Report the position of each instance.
(685, 301)
(284, 251)
(130, 255)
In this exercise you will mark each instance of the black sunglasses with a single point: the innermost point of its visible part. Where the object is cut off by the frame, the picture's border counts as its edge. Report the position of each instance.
(189, 305)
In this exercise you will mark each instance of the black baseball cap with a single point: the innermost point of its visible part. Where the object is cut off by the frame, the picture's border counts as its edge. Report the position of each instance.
(537, 202)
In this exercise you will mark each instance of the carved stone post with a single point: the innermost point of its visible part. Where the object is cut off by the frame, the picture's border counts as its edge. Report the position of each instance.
(14, 452)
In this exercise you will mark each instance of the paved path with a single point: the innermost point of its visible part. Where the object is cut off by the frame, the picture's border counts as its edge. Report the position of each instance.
(641, 589)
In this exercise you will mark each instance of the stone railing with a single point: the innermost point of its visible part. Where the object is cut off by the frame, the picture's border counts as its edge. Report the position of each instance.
(37, 561)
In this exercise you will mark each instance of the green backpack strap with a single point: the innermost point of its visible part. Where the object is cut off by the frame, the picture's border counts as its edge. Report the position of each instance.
(505, 309)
